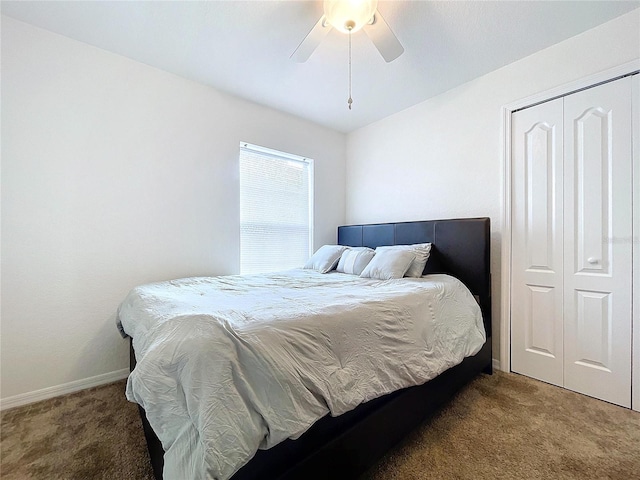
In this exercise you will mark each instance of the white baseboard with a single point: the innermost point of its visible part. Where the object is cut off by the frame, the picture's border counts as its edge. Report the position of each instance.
(495, 363)
(65, 388)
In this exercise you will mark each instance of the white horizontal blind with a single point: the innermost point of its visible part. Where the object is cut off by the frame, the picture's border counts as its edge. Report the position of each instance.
(276, 209)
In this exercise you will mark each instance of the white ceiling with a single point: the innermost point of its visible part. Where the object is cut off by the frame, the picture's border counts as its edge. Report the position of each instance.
(243, 47)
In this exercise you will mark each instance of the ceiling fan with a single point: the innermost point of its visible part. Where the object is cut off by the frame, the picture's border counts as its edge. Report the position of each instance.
(349, 16)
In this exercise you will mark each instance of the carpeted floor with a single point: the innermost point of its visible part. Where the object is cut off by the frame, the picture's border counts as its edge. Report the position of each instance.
(93, 434)
(503, 426)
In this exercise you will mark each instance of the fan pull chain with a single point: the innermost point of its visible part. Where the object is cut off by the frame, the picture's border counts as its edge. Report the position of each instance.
(350, 101)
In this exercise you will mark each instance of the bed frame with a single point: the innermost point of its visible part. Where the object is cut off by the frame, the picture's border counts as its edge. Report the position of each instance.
(347, 445)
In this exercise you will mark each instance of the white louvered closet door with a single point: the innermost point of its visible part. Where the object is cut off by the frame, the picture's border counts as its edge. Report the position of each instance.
(572, 230)
(598, 250)
(536, 289)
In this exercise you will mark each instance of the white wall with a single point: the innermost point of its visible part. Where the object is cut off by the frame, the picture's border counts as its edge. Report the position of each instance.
(115, 174)
(443, 158)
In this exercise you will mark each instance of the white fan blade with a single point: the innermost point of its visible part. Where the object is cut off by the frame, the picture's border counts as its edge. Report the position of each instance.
(383, 38)
(311, 41)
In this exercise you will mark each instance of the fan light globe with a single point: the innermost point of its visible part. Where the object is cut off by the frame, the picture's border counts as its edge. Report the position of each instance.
(349, 15)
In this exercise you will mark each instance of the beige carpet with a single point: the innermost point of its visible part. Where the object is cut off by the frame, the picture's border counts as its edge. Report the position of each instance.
(93, 434)
(499, 427)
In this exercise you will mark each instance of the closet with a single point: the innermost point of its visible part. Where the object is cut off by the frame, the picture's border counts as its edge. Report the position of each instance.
(572, 245)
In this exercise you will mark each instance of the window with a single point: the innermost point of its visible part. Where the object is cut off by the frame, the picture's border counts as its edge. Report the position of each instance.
(276, 209)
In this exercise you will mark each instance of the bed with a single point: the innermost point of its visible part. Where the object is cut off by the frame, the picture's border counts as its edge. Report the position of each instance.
(345, 446)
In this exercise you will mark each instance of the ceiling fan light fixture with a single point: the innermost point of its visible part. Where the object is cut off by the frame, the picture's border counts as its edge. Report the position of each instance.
(349, 15)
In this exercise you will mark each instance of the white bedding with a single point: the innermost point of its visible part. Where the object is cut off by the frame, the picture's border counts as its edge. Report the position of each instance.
(227, 365)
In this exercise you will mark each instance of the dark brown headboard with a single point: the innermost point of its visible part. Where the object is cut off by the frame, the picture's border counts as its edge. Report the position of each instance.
(460, 247)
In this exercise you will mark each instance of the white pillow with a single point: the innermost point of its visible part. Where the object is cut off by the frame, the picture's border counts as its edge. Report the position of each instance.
(354, 260)
(325, 259)
(388, 264)
(420, 250)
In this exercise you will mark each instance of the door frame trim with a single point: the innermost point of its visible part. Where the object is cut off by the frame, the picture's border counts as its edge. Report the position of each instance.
(635, 346)
(506, 201)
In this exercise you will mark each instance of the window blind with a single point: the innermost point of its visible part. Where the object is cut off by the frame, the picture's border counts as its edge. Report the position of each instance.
(276, 209)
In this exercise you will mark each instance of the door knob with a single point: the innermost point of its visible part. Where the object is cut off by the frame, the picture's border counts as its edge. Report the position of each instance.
(592, 260)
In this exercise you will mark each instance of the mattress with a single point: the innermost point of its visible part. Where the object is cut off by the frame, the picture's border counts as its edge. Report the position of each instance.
(228, 365)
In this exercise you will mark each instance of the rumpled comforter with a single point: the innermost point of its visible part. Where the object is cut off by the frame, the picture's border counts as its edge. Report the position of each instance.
(228, 365)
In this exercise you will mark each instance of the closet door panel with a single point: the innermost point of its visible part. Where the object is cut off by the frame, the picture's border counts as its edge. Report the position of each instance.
(597, 246)
(536, 314)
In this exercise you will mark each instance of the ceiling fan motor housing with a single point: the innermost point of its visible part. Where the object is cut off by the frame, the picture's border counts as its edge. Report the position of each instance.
(349, 15)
